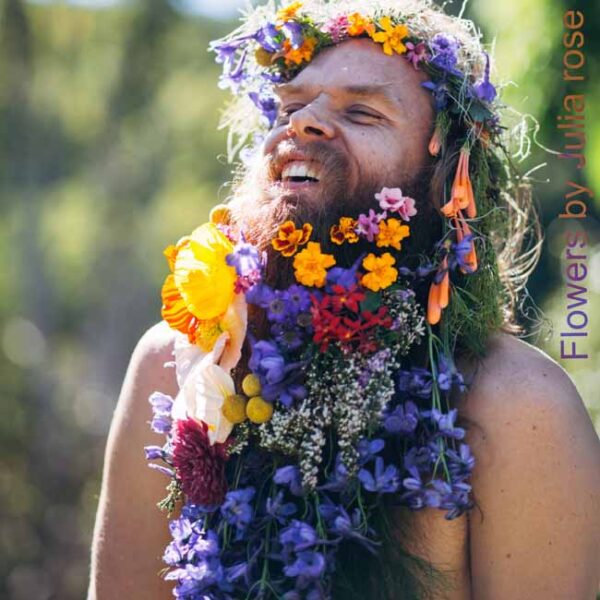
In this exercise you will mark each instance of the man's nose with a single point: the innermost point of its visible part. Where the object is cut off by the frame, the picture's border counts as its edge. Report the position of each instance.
(311, 123)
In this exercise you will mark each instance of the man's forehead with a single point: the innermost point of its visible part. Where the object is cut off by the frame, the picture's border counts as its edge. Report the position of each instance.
(386, 91)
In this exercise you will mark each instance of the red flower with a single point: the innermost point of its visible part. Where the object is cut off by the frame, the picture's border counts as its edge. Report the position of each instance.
(200, 467)
(346, 298)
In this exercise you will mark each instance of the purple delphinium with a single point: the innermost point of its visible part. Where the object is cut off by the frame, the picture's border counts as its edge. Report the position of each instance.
(440, 91)
(458, 257)
(289, 477)
(161, 409)
(484, 89)
(237, 510)
(278, 509)
(369, 449)
(269, 38)
(267, 104)
(445, 52)
(279, 380)
(445, 423)
(402, 419)
(384, 480)
(416, 382)
(448, 375)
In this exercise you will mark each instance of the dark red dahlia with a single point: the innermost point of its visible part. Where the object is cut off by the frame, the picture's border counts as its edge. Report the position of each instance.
(200, 467)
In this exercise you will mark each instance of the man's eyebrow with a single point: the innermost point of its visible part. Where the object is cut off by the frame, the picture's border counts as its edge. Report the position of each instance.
(381, 91)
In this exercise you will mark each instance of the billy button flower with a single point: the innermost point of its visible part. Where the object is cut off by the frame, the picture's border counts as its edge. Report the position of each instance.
(289, 238)
(344, 231)
(391, 37)
(391, 233)
(381, 271)
(310, 265)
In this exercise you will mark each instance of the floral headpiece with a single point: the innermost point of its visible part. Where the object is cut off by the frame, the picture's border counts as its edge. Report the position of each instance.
(273, 45)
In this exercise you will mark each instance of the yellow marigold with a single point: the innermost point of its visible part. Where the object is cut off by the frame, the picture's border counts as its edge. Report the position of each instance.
(202, 275)
(259, 410)
(311, 265)
(381, 271)
(391, 233)
(344, 231)
(296, 56)
(357, 25)
(391, 37)
(289, 238)
(287, 13)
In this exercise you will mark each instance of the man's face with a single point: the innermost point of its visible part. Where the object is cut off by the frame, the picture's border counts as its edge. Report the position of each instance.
(353, 121)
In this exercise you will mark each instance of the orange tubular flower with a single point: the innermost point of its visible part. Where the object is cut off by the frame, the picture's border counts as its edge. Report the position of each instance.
(344, 231)
(289, 238)
(435, 144)
(462, 197)
(439, 294)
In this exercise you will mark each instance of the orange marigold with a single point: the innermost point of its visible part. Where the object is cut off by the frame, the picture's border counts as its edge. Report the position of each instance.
(296, 56)
(357, 25)
(391, 233)
(289, 238)
(311, 265)
(391, 37)
(287, 13)
(381, 271)
(344, 231)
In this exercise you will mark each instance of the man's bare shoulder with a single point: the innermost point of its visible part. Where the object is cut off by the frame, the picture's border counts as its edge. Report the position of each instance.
(516, 376)
(153, 350)
(536, 479)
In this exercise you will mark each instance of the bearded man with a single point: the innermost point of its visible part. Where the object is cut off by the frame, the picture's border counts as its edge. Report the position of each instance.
(352, 120)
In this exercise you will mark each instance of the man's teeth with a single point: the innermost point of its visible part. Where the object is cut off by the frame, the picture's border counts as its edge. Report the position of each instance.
(299, 171)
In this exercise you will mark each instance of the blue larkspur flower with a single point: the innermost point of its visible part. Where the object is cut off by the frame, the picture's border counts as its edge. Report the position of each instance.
(290, 477)
(484, 89)
(368, 449)
(384, 480)
(237, 510)
(402, 419)
(308, 565)
(278, 509)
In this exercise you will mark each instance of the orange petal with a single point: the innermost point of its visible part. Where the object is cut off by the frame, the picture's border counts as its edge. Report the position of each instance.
(306, 233)
(444, 293)
(174, 310)
(434, 311)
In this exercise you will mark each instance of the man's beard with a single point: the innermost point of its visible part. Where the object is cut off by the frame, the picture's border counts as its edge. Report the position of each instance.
(259, 206)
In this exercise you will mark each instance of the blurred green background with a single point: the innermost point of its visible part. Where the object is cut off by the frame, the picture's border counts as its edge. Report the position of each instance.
(110, 151)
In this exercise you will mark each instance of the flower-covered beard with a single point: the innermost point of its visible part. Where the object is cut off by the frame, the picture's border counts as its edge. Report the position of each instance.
(261, 204)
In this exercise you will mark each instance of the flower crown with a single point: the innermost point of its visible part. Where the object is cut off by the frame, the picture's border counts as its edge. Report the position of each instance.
(273, 45)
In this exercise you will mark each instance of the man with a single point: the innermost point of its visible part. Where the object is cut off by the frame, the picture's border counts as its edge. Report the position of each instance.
(353, 119)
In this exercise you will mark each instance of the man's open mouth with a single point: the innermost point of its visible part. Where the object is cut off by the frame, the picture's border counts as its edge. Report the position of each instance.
(299, 171)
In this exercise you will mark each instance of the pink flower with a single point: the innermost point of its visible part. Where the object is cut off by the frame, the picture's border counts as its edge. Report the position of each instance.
(337, 28)
(392, 199)
(368, 225)
(415, 54)
(200, 467)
